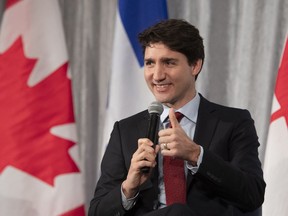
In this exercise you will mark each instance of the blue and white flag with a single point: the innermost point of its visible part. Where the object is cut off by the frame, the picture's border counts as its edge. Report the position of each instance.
(128, 93)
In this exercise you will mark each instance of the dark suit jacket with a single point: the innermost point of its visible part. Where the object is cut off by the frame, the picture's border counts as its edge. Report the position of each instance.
(228, 182)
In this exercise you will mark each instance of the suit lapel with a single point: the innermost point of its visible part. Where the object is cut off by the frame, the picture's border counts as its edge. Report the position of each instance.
(143, 125)
(205, 127)
(139, 131)
(206, 123)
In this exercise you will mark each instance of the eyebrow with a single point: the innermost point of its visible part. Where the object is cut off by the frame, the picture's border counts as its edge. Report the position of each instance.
(162, 59)
(169, 59)
(148, 59)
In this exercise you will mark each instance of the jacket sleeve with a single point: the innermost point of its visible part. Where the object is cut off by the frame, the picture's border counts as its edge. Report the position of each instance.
(231, 167)
(107, 197)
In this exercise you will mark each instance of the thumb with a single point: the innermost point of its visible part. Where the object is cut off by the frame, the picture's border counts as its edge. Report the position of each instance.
(173, 120)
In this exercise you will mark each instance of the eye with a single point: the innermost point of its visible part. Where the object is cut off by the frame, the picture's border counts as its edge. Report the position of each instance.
(149, 62)
(170, 62)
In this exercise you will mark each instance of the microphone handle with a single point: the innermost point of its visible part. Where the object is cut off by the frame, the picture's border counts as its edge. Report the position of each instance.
(153, 128)
(152, 134)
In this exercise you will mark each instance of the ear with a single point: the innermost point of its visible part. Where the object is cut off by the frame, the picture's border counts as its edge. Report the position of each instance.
(196, 67)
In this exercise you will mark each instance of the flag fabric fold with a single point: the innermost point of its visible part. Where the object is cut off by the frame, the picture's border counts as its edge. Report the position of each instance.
(128, 93)
(40, 170)
(276, 155)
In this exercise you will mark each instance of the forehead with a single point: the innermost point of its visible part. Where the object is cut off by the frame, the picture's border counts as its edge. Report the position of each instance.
(156, 50)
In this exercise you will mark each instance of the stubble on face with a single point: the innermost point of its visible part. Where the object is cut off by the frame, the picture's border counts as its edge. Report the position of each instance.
(169, 76)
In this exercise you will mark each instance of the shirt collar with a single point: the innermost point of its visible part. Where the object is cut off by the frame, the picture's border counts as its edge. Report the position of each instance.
(189, 110)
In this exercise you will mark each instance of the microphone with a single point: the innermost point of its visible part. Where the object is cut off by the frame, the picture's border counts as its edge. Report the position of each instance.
(155, 110)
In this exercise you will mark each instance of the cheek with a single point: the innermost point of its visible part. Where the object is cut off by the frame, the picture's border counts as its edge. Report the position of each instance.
(148, 75)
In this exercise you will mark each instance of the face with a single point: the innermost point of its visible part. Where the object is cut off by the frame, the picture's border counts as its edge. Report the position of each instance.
(169, 76)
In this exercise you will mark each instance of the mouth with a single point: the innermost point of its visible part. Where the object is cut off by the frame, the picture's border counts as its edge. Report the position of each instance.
(161, 87)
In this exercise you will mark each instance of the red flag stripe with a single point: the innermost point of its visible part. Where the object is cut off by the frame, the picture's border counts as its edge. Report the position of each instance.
(9, 3)
(281, 90)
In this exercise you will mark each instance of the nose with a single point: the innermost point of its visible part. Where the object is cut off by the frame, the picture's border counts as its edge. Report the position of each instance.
(158, 74)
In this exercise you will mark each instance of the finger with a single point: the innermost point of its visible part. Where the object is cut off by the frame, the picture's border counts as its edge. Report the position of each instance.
(146, 160)
(138, 163)
(144, 142)
(173, 120)
(157, 149)
(145, 150)
(143, 159)
(146, 163)
(164, 137)
(164, 133)
(145, 156)
(146, 153)
(166, 152)
(169, 152)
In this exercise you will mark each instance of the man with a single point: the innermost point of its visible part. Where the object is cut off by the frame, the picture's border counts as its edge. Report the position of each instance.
(216, 146)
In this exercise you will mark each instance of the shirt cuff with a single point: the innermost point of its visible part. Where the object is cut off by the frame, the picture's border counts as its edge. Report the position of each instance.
(128, 203)
(192, 168)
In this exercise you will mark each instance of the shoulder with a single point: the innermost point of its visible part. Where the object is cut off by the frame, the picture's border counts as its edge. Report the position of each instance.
(133, 126)
(221, 111)
(134, 119)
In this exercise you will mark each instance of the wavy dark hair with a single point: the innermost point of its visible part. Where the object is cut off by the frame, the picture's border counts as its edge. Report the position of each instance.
(178, 35)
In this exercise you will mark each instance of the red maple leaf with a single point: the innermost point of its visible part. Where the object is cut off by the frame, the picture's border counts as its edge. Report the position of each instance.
(28, 113)
(281, 90)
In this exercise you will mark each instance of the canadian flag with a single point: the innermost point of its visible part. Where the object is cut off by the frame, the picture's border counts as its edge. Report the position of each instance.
(276, 155)
(40, 172)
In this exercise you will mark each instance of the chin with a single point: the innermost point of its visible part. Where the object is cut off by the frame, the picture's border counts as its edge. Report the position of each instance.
(162, 100)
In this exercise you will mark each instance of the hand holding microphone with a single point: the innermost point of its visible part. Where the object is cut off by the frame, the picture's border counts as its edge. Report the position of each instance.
(155, 110)
(145, 154)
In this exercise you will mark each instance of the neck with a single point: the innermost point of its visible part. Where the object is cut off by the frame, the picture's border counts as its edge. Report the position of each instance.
(177, 105)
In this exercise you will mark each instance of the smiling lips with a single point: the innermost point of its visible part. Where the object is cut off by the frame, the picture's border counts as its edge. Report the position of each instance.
(161, 87)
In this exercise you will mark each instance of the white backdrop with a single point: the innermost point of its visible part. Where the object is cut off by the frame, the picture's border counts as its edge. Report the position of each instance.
(243, 42)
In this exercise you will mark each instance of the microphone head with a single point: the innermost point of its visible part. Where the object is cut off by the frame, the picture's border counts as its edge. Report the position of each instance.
(155, 108)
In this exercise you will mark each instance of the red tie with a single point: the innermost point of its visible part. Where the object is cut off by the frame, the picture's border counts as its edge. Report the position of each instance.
(174, 177)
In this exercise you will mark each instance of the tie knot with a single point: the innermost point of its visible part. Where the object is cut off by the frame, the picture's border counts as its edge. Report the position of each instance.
(179, 116)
